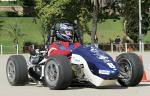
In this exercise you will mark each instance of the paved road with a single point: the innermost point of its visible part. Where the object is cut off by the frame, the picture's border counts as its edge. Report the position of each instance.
(32, 90)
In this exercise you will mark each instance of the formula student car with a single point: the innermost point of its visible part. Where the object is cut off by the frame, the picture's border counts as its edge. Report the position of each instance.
(87, 63)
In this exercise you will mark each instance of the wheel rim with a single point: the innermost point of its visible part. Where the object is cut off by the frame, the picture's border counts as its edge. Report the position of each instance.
(125, 69)
(11, 71)
(52, 73)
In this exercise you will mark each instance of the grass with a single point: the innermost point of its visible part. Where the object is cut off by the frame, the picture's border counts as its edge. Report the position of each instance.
(3, 14)
(110, 29)
(147, 37)
(32, 32)
(8, 3)
(107, 30)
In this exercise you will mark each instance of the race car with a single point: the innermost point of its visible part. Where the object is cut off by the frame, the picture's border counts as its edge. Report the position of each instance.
(86, 64)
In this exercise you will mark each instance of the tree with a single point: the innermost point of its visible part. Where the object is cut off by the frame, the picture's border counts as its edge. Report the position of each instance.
(96, 5)
(49, 11)
(26, 2)
(52, 11)
(80, 11)
(145, 16)
(131, 18)
(99, 8)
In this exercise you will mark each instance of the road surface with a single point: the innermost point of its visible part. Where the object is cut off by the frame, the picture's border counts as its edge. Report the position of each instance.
(143, 89)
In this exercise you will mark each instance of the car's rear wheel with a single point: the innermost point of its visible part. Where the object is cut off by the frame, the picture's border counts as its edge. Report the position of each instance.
(131, 69)
(58, 73)
(16, 70)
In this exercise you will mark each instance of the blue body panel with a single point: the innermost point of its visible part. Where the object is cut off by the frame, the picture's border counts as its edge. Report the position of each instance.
(99, 62)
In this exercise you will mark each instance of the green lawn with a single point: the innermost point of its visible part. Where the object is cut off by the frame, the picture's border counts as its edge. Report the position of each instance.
(8, 3)
(147, 38)
(32, 32)
(106, 31)
(109, 30)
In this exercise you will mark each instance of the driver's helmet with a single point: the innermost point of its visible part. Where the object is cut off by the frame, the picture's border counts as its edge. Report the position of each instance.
(64, 30)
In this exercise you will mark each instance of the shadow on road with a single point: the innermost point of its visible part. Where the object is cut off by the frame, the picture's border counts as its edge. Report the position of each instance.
(76, 86)
(112, 87)
(142, 85)
(88, 85)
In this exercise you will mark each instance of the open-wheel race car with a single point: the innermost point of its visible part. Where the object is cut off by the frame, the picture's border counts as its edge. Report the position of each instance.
(85, 64)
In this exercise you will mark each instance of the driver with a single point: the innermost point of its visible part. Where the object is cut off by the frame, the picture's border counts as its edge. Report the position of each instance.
(64, 44)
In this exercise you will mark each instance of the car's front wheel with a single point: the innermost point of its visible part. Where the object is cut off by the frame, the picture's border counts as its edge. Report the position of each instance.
(131, 69)
(58, 73)
(16, 70)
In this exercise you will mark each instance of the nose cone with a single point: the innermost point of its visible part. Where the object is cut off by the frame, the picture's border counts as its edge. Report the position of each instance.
(113, 74)
(108, 74)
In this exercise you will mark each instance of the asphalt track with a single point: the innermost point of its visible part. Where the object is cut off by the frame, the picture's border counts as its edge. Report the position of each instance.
(143, 89)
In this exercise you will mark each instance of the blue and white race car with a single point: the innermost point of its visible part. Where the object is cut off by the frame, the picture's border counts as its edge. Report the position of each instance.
(87, 64)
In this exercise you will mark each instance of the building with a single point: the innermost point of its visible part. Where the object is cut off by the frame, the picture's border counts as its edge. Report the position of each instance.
(8, 0)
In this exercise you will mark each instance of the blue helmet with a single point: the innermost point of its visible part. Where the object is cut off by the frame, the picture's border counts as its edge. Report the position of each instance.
(64, 30)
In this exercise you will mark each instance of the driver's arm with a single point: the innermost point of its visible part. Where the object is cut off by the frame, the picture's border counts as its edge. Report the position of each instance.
(55, 50)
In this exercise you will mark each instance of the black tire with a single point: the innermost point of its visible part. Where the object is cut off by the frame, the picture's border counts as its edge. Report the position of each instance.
(131, 68)
(58, 73)
(16, 70)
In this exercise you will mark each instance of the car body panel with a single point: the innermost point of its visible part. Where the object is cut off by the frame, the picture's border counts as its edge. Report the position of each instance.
(99, 63)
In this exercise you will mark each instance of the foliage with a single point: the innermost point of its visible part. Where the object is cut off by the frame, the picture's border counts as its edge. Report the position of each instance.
(26, 2)
(32, 31)
(145, 16)
(101, 10)
(131, 16)
(82, 11)
(49, 11)
(52, 11)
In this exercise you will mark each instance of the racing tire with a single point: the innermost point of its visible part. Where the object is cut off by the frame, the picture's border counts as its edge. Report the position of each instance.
(16, 70)
(131, 69)
(58, 73)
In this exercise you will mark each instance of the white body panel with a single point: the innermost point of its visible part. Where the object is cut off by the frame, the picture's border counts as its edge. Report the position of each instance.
(97, 81)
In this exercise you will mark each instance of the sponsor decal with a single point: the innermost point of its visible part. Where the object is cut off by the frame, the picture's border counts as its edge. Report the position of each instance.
(106, 72)
(76, 60)
(102, 57)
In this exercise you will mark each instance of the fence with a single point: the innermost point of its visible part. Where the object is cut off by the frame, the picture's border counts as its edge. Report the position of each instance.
(126, 47)
(9, 49)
